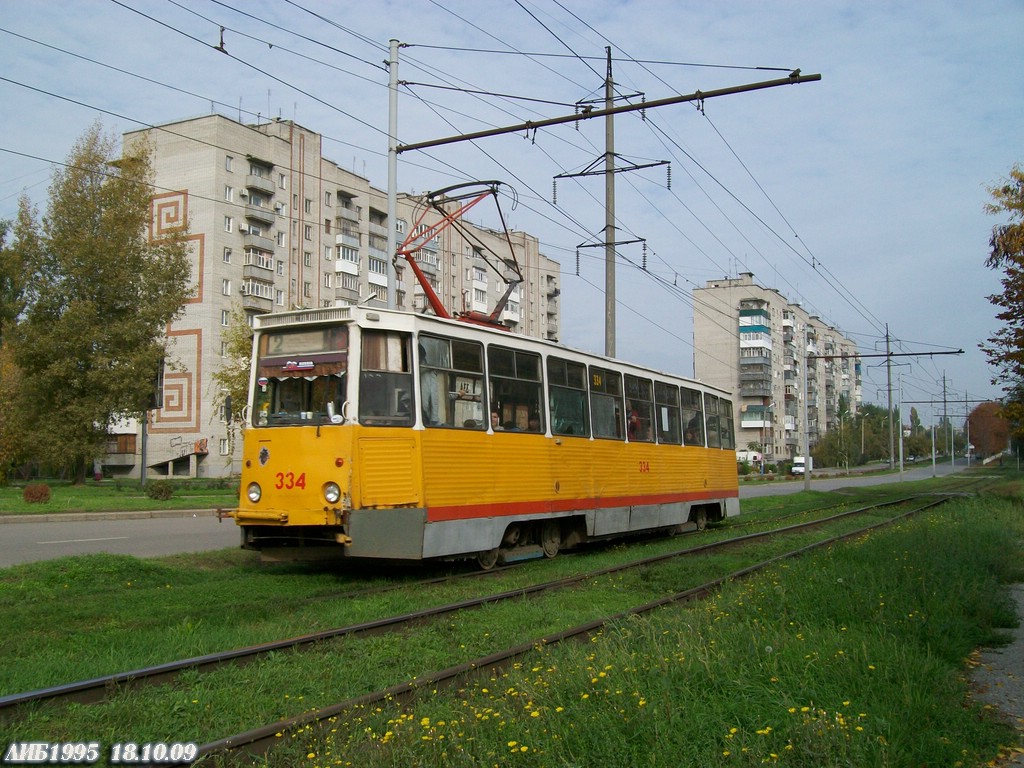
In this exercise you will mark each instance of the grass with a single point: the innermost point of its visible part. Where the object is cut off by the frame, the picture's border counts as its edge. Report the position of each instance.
(119, 495)
(851, 657)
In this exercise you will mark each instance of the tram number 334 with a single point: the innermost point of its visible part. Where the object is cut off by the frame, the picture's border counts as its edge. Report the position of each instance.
(645, 466)
(287, 481)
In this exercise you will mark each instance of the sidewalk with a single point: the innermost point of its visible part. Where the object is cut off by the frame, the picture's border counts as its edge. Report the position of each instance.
(998, 679)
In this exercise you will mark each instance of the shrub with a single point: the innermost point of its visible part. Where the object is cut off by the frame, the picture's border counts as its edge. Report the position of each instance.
(36, 493)
(161, 490)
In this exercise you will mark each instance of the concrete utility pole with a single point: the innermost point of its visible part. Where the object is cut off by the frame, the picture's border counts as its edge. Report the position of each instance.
(888, 377)
(609, 211)
(392, 241)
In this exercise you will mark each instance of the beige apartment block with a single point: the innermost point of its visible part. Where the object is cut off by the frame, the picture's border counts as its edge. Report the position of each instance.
(787, 370)
(275, 225)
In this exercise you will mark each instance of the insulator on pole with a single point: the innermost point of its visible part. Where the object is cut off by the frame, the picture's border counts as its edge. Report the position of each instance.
(644, 251)
(554, 191)
(577, 262)
(668, 175)
(643, 112)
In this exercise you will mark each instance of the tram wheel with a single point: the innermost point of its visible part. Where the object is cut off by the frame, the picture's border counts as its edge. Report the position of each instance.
(488, 559)
(700, 519)
(550, 537)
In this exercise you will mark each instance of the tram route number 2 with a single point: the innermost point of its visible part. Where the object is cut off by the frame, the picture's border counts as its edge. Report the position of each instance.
(287, 481)
(645, 466)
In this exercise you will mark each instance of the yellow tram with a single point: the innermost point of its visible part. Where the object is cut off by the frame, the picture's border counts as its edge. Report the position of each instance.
(375, 433)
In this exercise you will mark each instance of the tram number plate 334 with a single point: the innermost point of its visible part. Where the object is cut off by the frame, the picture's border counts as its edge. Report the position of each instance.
(287, 481)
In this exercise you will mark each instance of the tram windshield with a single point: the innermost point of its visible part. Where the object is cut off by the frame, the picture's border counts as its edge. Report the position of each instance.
(300, 376)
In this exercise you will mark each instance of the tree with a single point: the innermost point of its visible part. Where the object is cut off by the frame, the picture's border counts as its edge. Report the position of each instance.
(1005, 348)
(12, 281)
(99, 294)
(989, 431)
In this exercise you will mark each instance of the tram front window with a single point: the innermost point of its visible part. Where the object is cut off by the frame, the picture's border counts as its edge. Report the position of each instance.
(301, 377)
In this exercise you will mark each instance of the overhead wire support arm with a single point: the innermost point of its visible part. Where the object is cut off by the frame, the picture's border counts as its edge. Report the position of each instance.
(533, 125)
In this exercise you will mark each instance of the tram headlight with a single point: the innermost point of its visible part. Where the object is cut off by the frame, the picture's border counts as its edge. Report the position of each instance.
(254, 492)
(332, 492)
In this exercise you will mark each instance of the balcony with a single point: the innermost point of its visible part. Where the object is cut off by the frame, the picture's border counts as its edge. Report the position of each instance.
(380, 230)
(253, 272)
(260, 213)
(347, 238)
(257, 303)
(755, 389)
(258, 241)
(259, 183)
(348, 213)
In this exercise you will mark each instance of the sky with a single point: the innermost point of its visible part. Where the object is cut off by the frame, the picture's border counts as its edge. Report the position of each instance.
(860, 196)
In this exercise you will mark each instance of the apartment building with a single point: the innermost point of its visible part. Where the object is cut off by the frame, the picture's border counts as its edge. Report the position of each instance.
(788, 371)
(275, 225)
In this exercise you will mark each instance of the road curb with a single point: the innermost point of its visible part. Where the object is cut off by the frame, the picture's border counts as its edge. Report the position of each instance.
(71, 517)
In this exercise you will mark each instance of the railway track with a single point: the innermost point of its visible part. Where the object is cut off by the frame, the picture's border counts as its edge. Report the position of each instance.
(100, 688)
(259, 741)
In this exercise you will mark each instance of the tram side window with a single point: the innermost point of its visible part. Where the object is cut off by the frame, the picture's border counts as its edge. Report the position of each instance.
(666, 403)
(606, 402)
(515, 389)
(639, 407)
(567, 397)
(385, 379)
(692, 416)
(711, 406)
(451, 382)
(726, 423)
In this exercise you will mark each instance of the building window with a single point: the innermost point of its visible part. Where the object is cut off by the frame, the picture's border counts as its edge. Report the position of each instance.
(350, 282)
(378, 266)
(228, 160)
(229, 194)
(308, 205)
(307, 231)
(225, 318)
(328, 253)
(307, 289)
(227, 255)
(327, 198)
(328, 279)
(280, 238)
(225, 287)
(327, 226)
(282, 181)
(307, 259)
(348, 254)
(225, 447)
(223, 349)
(279, 297)
(229, 224)
(280, 268)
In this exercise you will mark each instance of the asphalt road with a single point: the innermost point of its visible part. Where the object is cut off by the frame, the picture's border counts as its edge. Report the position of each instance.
(25, 540)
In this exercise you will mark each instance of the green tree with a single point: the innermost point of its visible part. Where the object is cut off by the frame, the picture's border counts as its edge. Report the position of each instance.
(1005, 348)
(99, 294)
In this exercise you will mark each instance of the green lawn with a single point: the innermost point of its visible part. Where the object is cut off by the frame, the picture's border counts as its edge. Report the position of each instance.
(119, 495)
